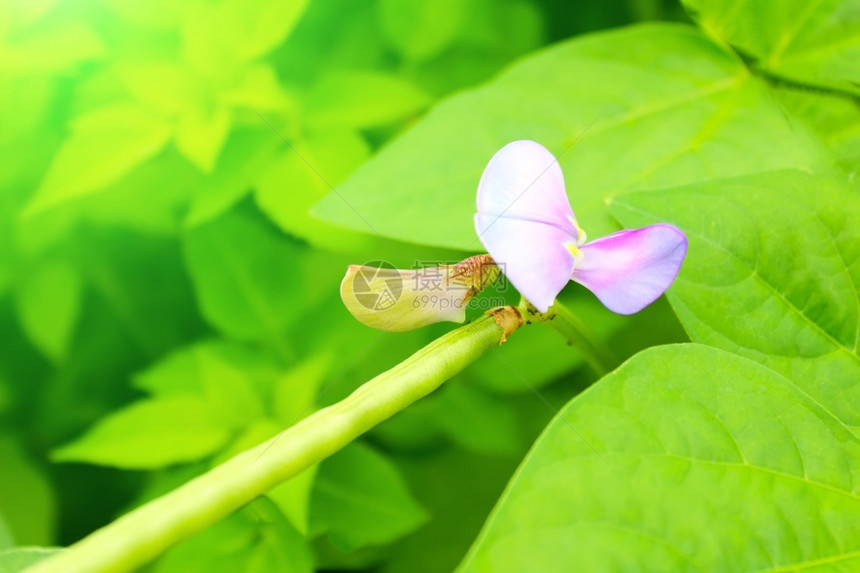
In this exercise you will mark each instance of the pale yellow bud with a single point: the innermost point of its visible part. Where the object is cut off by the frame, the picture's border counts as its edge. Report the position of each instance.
(396, 300)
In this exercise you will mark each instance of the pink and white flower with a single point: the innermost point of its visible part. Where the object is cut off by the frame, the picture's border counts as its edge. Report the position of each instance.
(525, 221)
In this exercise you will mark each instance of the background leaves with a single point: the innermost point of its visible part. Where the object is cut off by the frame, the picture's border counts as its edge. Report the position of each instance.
(657, 121)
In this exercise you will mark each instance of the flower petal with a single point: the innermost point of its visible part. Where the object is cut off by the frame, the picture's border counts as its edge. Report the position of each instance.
(396, 300)
(629, 270)
(524, 181)
(532, 255)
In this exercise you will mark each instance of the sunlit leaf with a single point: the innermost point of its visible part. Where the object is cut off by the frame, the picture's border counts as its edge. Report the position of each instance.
(252, 284)
(420, 30)
(362, 99)
(200, 136)
(225, 375)
(150, 434)
(48, 303)
(633, 109)
(771, 279)
(258, 88)
(257, 28)
(103, 146)
(246, 154)
(688, 458)
(833, 118)
(296, 178)
(163, 85)
(53, 48)
(810, 42)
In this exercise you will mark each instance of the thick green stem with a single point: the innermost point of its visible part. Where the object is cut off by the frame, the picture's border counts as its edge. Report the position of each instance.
(593, 350)
(141, 535)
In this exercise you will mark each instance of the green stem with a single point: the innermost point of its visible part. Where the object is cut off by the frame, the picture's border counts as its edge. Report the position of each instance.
(143, 534)
(593, 350)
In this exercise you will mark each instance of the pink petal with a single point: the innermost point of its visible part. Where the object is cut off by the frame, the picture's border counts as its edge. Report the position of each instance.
(532, 255)
(629, 270)
(523, 181)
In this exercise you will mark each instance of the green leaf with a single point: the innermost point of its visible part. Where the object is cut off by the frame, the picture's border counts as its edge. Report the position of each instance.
(280, 547)
(361, 99)
(149, 434)
(27, 500)
(542, 353)
(103, 146)
(360, 499)
(771, 279)
(809, 42)
(420, 30)
(201, 135)
(220, 372)
(252, 284)
(140, 280)
(477, 421)
(247, 153)
(833, 118)
(20, 558)
(647, 106)
(297, 178)
(163, 85)
(257, 539)
(258, 28)
(55, 48)
(258, 88)
(151, 199)
(707, 462)
(48, 303)
(295, 390)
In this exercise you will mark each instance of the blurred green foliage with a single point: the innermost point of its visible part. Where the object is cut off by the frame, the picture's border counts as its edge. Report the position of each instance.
(168, 294)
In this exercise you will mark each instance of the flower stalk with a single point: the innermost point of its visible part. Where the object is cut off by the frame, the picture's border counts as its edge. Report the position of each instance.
(596, 354)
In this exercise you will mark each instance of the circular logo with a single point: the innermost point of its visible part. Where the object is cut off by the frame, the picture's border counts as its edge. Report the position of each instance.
(377, 285)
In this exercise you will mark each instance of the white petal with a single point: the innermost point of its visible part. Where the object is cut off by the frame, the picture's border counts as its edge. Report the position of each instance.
(524, 181)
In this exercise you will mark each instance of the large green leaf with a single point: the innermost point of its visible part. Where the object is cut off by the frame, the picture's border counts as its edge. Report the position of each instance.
(811, 42)
(707, 462)
(833, 118)
(668, 107)
(771, 278)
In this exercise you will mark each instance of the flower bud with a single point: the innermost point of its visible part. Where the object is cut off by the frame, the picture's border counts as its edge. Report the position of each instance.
(395, 300)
